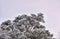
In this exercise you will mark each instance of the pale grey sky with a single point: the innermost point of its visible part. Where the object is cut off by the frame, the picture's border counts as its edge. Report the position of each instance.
(50, 8)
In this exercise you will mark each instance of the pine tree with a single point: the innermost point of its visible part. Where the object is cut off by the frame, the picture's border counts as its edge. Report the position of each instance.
(25, 27)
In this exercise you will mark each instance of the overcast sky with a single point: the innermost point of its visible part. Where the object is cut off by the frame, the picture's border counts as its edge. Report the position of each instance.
(50, 8)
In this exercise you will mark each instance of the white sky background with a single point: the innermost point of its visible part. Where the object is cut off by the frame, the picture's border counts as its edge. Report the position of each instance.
(50, 8)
